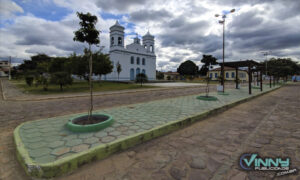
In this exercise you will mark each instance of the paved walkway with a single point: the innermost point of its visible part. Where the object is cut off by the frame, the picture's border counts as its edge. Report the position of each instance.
(48, 140)
(170, 156)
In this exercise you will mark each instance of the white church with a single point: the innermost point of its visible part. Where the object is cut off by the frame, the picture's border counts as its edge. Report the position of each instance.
(135, 58)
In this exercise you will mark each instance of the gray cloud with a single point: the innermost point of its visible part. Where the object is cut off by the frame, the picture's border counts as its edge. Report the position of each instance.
(122, 5)
(146, 15)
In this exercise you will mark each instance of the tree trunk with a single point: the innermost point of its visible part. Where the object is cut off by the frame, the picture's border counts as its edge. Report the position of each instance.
(61, 88)
(90, 81)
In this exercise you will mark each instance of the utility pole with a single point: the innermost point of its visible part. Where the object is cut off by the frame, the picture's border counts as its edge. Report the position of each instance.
(9, 69)
(266, 53)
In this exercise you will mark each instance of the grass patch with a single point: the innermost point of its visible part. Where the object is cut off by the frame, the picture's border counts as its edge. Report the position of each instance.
(78, 87)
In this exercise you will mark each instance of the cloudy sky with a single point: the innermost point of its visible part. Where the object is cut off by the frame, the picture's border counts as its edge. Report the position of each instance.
(183, 29)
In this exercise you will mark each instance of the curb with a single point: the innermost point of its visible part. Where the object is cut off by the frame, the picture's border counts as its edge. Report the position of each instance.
(70, 163)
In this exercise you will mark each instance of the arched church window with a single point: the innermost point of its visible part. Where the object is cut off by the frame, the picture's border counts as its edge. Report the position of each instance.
(112, 41)
(119, 41)
(145, 46)
(132, 60)
(143, 61)
(151, 48)
(137, 60)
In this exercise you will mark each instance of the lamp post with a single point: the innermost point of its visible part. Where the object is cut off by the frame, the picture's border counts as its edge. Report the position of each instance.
(223, 22)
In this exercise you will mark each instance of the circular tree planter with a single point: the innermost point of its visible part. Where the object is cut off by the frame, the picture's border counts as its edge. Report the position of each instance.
(223, 93)
(96, 123)
(207, 98)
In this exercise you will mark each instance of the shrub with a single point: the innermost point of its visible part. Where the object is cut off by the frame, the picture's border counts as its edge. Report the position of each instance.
(141, 78)
(29, 80)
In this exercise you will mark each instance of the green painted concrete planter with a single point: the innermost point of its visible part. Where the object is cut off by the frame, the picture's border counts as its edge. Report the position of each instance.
(90, 127)
(207, 98)
(223, 93)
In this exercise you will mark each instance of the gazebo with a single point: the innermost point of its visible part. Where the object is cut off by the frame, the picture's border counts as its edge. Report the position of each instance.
(252, 66)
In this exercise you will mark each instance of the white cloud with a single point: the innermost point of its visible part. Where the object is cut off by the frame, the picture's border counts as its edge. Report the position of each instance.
(8, 9)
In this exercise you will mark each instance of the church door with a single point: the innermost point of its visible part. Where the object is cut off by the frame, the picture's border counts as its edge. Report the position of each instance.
(131, 74)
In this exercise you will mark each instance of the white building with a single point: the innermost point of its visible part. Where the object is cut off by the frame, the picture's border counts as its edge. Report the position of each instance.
(135, 58)
(4, 68)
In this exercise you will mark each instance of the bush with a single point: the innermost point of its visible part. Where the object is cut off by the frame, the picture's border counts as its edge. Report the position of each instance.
(29, 80)
(141, 78)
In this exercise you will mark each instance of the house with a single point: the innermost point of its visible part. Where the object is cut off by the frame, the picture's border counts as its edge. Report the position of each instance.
(4, 68)
(229, 73)
(171, 75)
(135, 58)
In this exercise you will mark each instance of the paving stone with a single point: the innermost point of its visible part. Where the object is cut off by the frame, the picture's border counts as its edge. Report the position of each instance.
(108, 139)
(45, 159)
(85, 135)
(79, 148)
(115, 133)
(68, 137)
(36, 145)
(60, 151)
(197, 163)
(39, 152)
(73, 142)
(96, 144)
(100, 134)
(91, 140)
(109, 129)
(178, 173)
(56, 144)
(134, 127)
(122, 128)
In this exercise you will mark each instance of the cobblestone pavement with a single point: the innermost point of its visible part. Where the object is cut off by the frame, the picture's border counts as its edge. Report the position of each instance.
(210, 149)
(48, 140)
(171, 156)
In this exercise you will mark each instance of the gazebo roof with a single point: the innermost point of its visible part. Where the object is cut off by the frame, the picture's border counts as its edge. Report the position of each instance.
(245, 63)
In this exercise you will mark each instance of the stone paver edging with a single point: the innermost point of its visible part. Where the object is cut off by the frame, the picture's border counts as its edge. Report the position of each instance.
(69, 163)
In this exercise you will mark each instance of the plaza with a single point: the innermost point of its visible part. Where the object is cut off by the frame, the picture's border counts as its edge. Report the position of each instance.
(241, 132)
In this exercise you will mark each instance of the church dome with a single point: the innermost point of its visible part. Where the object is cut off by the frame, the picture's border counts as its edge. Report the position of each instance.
(148, 36)
(117, 27)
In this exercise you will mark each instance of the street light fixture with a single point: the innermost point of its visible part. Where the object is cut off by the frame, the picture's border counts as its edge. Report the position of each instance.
(223, 22)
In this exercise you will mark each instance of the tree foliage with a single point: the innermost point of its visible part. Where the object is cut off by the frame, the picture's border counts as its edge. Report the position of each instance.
(282, 67)
(141, 78)
(119, 69)
(187, 68)
(208, 61)
(102, 64)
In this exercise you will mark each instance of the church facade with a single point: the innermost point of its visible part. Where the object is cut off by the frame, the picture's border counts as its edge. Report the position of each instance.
(135, 58)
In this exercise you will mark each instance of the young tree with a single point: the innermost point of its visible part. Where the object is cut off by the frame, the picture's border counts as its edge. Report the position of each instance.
(208, 61)
(102, 64)
(119, 69)
(61, 78)
(141, 78)
(79, 65)
(89, 34)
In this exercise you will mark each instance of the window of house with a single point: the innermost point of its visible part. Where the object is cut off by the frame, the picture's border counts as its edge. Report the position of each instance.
(210, 75)
(227, 75)
(216, 75)
(119, 41)
(132, 60)
(232, 74)
(143, 61)
(137, 60)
